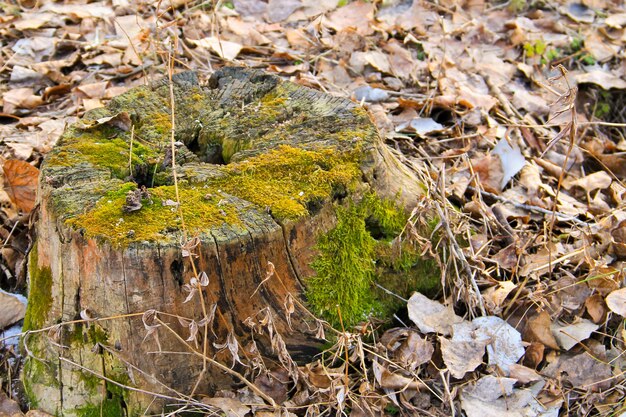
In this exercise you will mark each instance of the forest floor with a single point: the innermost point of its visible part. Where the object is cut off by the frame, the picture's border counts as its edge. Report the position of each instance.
(513, 113)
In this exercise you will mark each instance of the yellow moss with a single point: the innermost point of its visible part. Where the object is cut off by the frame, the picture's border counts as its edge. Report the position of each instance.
(284, 181)
(202, 208)
(162, 123)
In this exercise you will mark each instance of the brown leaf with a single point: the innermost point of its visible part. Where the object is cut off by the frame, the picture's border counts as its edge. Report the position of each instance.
(414, 351)
(11, 310)
(596, 308)
(595, 181)
(534, 354)
(120, 120)
(94, 90)
(275, 384)
(538, 330)
(523, 374)
(229, 406)
(20, 98)
(490, 173)
(20, 182)
(602, 78)
(357, 15)
(56, 90)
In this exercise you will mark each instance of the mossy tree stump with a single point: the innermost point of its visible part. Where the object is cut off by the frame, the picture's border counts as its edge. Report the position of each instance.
(261, 165)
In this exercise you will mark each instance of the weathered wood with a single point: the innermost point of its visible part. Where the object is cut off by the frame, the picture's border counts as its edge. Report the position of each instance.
(260, 164)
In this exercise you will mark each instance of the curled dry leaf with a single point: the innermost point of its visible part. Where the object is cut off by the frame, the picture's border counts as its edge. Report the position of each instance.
(20, 182)
(121, 120)
(596, 308)
(538, 330)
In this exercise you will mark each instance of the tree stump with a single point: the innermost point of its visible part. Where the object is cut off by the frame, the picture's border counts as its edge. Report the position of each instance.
(261, 164)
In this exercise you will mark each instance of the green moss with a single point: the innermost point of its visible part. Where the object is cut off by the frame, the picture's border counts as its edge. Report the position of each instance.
(344, 270)
(39, 295)
(111, 406)
(364, 248)
(103, 147)
(285, 181)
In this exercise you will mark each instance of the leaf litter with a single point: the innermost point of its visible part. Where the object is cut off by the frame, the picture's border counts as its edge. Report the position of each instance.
(523, 163)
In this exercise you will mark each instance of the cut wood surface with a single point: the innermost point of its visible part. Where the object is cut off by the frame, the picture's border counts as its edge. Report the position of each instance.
(260, 164)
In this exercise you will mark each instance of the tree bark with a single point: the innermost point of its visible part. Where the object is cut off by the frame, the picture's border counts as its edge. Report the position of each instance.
(248, 142)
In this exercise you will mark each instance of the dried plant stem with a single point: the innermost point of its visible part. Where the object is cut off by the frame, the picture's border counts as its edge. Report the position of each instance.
(461, 256)
(220, 366)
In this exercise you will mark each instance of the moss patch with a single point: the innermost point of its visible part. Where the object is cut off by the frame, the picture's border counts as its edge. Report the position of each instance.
(363, 248)
(285, 181)
(39, 295)
(104, 147)
(345, 270)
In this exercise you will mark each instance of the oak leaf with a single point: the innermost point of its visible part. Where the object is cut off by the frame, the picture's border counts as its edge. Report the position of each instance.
(20, 183)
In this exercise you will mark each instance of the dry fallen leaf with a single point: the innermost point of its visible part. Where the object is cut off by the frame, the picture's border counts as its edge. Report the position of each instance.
(357, 15)
(595, 181)
(120, 120)
(596, 308)
(604, 79)
(230, 406)
(20, 182)
(495, 296)
(505, 347)
(490, 173)
(538, 330)
(465, 351)
(570, 335)
(523, 374)
(583, 371)
(431, 316)
(616, 301)
(12, 310)
(224, 49)
(521, 403)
